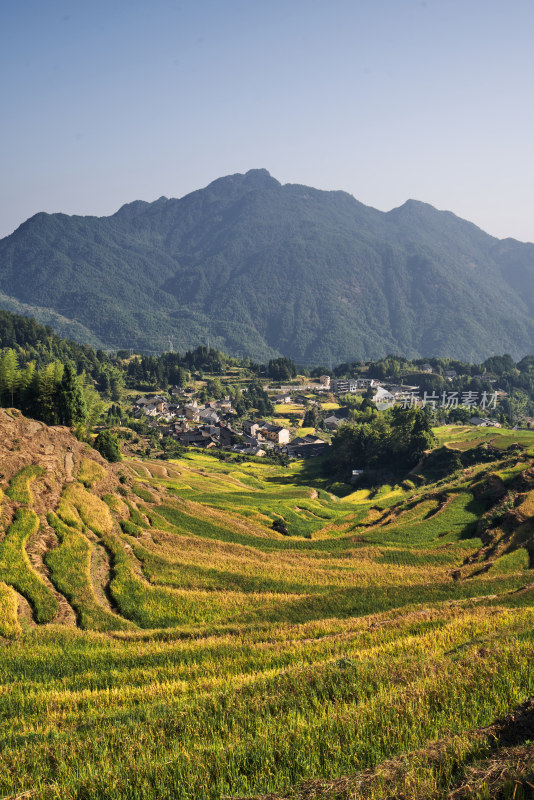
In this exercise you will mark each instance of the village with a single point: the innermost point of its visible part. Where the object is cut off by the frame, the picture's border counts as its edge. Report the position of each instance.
(217, 425)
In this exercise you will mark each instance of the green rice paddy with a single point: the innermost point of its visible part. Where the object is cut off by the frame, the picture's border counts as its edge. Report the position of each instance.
(213, 657)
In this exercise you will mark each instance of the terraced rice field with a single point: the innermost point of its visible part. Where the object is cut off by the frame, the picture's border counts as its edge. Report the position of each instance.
(464, 437)
(212, 657)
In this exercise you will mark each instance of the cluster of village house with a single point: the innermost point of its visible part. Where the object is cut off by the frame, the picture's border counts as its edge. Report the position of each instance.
(212, 424)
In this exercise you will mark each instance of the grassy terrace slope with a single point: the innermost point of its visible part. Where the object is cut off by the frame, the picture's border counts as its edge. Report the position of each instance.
(159, 639)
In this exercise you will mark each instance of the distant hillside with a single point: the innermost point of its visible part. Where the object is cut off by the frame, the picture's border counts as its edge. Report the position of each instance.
(264, 269)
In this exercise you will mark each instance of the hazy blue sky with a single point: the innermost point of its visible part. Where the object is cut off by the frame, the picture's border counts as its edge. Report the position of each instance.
(104, 102)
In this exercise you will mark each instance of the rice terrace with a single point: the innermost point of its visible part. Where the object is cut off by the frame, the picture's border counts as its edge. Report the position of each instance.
(160, 639)
(267, 401)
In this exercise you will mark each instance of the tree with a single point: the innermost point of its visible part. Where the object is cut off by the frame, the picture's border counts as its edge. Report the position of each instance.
(395, 439)
(411, 434)
(171, 448)
(94, 405)
(108, 446)
(104, 384)
(117, 386)
(499, 365)
(27, 377)
(526, 364)
(282, 369)
(45, 395)
(9, 374)
(214, 388)
(71, 406)
(310, 418)
(257, 398)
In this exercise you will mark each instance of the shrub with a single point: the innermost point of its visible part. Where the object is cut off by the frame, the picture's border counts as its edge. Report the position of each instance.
(108, 446)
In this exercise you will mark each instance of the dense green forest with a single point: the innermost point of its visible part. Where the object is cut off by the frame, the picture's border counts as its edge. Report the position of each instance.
(53, 394)
(40, 344)
(388, 441)
(268, 270)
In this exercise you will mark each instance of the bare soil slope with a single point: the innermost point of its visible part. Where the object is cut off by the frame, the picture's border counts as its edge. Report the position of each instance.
(25, 442)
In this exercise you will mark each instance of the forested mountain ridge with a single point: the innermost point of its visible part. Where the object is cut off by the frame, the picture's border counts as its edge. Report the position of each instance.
(264, 269)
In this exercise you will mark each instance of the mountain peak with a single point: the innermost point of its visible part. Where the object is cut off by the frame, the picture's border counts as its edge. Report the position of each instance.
(260, 175)
(253, 179)
(268, 270)
(260, 179)
(412, 206)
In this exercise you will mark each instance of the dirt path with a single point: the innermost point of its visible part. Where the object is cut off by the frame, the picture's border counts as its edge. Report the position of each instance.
(6, 518)
(69, 467)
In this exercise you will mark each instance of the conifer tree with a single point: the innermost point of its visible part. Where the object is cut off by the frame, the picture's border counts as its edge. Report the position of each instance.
(71, 406)
(27, 376)
(93, 403)
(9, 374)
(46, 395)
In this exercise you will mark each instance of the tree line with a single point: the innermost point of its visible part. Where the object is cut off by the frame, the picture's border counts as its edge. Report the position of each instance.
(53, 394)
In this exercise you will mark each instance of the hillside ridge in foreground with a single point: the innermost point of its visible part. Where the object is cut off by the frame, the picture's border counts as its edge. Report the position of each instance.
(160, 639)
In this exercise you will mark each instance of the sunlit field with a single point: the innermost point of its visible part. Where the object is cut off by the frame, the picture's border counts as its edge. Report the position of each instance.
(465, 436)
(206, 655)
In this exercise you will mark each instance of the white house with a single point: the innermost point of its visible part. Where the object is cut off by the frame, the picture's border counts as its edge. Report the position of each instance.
(383, 399)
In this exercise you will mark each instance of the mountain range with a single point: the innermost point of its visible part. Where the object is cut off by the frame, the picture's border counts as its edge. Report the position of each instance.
(257, 268)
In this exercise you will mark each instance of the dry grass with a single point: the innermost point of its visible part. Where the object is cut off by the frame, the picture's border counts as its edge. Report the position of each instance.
(9, 623)
(507, 773)
(91, 509)
(478, 765)
(91, 472)
(526, 508)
